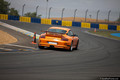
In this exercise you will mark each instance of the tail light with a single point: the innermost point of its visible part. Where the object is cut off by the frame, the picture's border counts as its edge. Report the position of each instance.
(64, 39)
(42, 36)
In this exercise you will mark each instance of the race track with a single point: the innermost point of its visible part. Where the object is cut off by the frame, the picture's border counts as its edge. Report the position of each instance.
(96, 57)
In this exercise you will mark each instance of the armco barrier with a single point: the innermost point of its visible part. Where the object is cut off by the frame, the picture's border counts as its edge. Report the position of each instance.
(4, 16)
(56, 22)
(35, 20)
(85, 25)
(76, 24)
(112, 27)
(67, 23)
(94, 25)
(45, 21)
(13, 17)
(25, 19)
(103, 26)
(118, 28)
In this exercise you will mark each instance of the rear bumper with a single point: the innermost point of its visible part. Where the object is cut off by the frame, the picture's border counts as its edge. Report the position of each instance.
(60, 44)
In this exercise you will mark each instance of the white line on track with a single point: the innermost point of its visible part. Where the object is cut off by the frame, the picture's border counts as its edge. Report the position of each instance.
(21, 46)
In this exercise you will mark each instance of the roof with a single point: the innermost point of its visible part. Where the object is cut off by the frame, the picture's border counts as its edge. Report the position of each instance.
(59, 28)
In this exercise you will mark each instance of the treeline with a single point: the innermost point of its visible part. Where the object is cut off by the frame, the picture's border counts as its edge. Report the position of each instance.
(5, 9)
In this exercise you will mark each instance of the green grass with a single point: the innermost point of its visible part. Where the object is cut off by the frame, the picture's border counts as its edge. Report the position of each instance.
(106, 34)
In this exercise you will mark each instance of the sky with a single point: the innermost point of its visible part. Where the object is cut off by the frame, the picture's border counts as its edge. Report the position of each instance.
(70, 5)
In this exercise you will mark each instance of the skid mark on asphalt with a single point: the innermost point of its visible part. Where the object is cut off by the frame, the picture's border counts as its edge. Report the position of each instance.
(5, 49)
(16, 48)
(20, 46)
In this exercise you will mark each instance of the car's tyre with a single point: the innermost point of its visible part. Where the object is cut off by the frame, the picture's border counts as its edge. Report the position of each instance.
(40, 47)
(77, 45)
(71, 47)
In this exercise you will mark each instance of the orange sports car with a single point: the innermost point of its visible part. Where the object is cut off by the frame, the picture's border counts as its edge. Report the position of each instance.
(59, 37)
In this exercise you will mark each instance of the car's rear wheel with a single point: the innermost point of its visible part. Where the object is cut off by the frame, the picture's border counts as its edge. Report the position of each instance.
(71, 47)
(40, 47)
(77, 45)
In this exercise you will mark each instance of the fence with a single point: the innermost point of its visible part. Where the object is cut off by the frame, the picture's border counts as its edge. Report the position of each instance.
(77, 15)
(60, 22)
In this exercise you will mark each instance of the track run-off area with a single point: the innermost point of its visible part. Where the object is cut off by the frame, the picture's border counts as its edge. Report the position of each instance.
(96, 57)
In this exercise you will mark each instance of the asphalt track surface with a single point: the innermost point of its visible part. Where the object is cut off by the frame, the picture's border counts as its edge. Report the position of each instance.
(96, 57)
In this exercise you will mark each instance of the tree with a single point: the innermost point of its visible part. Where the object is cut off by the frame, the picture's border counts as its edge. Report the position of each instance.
(4, 7)
(29, 14)
(13, 12)
(118, 19)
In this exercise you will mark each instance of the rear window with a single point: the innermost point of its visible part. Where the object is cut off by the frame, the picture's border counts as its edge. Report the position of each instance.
(57, 31)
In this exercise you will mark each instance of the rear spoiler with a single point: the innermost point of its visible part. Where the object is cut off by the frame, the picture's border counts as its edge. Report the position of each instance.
(51, 32)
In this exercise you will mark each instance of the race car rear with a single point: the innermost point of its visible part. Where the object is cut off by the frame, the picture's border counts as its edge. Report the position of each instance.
(54, 40)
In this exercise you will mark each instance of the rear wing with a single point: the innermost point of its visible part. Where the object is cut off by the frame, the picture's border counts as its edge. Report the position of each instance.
(52, 32)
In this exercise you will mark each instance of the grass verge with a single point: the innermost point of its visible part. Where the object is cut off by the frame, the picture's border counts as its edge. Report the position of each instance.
(106, 34)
